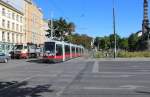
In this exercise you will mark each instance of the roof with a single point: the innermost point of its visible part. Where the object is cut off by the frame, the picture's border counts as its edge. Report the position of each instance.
(10, 7)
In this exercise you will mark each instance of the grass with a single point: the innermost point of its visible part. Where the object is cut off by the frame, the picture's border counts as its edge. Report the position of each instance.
(122, 54)
(125, 54)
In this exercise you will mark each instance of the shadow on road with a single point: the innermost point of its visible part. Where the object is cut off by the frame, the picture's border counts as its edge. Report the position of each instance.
(16, 89)
(143, 92)
(39, 61)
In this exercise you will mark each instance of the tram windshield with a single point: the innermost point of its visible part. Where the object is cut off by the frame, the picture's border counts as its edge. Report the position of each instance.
(49, 47)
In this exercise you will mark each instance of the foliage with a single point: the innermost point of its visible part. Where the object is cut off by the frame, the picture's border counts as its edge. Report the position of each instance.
(80, 40)
(61, 28)
(112, 40)
(126, 54)
(123, 44)
(133, 42)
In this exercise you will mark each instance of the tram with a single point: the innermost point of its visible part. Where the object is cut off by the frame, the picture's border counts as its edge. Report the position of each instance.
(57, 51)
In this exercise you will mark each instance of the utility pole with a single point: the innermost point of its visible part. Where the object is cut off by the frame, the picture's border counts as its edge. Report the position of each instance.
(114, 29)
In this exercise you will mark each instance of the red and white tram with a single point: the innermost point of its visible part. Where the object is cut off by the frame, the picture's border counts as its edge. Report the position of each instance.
(56, 51)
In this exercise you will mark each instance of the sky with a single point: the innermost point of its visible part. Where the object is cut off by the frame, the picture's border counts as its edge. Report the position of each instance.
(94, 17)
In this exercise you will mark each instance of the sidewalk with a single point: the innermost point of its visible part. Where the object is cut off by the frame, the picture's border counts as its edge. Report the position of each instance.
(121, 59)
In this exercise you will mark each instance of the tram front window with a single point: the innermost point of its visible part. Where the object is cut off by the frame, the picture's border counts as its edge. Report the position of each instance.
(49, 47)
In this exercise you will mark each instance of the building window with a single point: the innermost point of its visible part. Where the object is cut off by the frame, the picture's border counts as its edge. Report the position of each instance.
(17, 38)
(33, 37)
(17, 17)
(3, 12)
(3, 23)
(3, 36)
(21, 19)
(21, 38)
(8, 24)
(13, 16)
(33, 19)
(13, 37)
(17, 27)
(8, 37)
(9, 14)
(20, 28)
(13, 26)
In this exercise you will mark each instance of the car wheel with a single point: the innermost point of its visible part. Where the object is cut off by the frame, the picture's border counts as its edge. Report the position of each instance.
(5, 60)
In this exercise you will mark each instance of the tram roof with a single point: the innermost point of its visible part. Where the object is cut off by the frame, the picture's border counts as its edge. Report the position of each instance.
(65, 43)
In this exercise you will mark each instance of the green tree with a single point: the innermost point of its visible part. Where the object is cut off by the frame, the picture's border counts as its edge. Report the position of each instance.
(61, 28)
(97, 42)
(133, 42)
(105, 43)
(112, 40)
(123, 43)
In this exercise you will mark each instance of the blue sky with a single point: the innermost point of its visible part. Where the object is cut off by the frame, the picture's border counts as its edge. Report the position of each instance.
(94, 17)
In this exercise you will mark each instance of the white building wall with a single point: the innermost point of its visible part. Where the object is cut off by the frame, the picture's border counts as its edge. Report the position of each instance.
(10, 30)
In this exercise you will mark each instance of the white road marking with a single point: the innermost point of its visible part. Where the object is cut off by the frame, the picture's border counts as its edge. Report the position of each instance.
(128, 73)
(125, 87)
(101, 88)
(131, 86)
(115, 76)
(95, 67)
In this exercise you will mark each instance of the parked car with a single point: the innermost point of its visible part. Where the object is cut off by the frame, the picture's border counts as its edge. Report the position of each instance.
(4, 57)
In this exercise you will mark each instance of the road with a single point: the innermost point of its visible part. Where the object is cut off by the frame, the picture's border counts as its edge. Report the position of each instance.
(79, 77)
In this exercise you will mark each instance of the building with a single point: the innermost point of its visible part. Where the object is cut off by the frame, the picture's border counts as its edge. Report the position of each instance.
(11, 26)
(145, 24)
(33, 23)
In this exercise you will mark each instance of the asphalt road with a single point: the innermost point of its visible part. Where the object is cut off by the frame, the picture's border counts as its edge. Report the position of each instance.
(76, 78)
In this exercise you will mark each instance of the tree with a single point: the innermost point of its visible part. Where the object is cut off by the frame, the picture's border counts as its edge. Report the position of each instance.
(97, 42)
(123, 43)
(105, 43)
(133, 42)
(112, 40)
(61, 28)
(80, 40)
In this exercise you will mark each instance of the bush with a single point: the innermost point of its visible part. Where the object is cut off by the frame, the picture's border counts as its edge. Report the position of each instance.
(98, 55)
(125, 54)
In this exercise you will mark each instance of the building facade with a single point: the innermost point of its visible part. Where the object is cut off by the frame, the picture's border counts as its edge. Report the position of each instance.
(145, 24)
(33, 23)
(11, 26)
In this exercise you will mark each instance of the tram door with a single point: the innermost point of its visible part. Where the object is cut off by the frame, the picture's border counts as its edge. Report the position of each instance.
(59, 52)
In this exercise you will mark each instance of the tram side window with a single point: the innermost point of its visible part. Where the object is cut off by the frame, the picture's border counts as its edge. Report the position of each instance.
(59, 50)
(80, 50)
(77, 50)
(67, 49)
(73, 49)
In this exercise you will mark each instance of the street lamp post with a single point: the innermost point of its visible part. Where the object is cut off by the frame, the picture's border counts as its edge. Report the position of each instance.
(114, 29)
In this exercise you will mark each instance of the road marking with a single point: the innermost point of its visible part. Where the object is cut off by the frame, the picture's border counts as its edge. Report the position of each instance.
(131, 86)
(125, 87)
(101, 88)
(95, 67)
(115, 76)
(128, 73)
